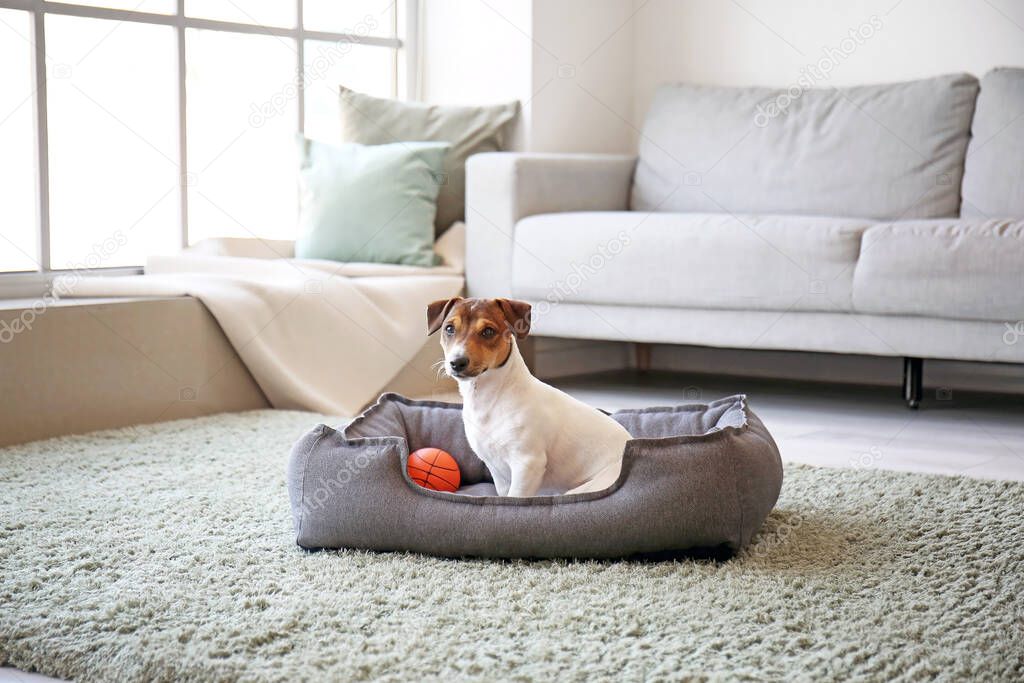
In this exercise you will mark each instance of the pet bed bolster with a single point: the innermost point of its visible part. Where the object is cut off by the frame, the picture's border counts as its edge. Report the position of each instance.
(696, 476)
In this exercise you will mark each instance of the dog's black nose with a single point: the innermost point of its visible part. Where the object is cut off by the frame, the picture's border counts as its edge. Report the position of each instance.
(459, 364)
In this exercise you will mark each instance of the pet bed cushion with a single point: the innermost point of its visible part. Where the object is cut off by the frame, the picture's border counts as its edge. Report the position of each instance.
(700, 476)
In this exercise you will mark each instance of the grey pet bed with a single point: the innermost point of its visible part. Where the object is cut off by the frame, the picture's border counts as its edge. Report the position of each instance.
(694, 478)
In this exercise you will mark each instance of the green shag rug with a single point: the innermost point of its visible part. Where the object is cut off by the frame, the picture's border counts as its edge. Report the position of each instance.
(165, 552)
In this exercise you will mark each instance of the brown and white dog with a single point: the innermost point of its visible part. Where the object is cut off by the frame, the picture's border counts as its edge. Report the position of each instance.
(533, 438)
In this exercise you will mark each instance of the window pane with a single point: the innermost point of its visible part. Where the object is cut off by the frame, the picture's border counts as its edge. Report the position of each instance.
(242, 121)
(366, 68)
(155, 6)
(359, 17)
(113, 133)
(258, 12)
(18, 249)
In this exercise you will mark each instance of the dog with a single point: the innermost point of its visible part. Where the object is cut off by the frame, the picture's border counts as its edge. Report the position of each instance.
(533, 438)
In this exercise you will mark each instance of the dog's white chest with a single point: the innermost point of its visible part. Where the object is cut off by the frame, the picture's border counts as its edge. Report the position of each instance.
(494, 437)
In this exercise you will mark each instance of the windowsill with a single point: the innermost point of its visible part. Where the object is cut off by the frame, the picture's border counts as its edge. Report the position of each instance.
(31, 286)
(27, 303)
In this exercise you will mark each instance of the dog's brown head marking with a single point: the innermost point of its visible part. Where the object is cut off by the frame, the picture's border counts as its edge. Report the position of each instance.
(476, 334)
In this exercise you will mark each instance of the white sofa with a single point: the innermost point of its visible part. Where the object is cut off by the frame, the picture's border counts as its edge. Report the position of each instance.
(884, 220)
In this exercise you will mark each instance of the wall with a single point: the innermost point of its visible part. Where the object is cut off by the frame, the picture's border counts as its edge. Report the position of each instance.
(569, 62)
(473, 53)
(582, 76)
(768, 42)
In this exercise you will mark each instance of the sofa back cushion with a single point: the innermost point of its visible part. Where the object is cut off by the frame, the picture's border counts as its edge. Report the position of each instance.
(994, 170)
(882, 151)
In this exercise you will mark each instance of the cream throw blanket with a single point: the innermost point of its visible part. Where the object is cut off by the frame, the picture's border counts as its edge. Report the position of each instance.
(316, 335)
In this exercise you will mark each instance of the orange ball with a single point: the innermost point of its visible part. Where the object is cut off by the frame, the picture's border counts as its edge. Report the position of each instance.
(434, 469)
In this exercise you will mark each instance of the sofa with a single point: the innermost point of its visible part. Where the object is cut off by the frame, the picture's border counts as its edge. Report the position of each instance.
(882, 220)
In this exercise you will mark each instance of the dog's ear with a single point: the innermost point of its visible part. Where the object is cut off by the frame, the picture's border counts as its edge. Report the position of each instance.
(437, 312)
(517, 313)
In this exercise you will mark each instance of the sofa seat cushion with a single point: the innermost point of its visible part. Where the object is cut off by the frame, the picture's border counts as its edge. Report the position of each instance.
(950, 268)
(886, 152)
(687, 260)
(994, 172)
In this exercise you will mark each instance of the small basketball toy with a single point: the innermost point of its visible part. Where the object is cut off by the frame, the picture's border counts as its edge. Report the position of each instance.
(434, 469)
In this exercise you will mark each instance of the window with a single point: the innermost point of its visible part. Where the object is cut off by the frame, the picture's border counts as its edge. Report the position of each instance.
(113, 166)
(133, 127)
(19, 247)
(241, 134)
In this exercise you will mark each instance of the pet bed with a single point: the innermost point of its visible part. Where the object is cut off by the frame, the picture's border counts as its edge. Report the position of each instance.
(694, 478)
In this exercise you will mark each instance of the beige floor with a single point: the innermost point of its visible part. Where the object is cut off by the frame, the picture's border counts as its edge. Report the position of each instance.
(954, 433)
(9, 675)
(957, 433)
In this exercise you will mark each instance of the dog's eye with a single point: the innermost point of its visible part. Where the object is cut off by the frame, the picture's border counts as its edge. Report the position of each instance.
(488, 332)
(449, 329)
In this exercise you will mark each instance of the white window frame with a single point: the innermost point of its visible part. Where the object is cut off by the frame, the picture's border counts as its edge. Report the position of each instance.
(406, 79)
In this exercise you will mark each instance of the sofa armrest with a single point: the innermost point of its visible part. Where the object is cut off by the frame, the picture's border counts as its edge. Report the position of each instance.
(503, 187)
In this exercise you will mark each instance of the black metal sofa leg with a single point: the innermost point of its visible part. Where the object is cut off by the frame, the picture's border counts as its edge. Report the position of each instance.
(913, 372)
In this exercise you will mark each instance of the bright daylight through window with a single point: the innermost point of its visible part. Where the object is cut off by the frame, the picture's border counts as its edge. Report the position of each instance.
(155, 124)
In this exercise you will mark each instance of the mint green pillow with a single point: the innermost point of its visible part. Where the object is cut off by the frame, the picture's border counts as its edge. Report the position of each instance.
(369, 203)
